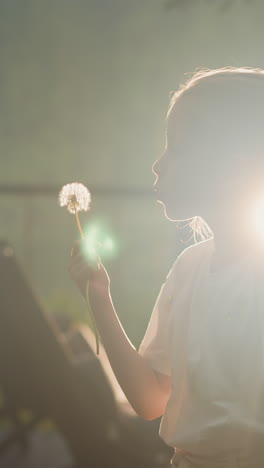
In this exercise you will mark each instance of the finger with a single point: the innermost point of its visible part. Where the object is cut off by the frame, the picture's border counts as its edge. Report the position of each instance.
(84, 266)
(77, 258)
(78, 263)
(75, 248)
(80, 260)
(74, 264)
(83, 272)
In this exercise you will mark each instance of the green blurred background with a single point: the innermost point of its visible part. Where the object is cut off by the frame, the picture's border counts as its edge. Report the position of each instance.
(84, 89)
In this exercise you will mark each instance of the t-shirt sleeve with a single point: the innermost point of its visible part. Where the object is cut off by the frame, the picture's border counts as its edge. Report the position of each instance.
(155, 344)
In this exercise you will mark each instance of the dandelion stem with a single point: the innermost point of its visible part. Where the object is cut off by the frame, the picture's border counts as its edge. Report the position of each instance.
(78, 223)
(87, 290)
(93, 319)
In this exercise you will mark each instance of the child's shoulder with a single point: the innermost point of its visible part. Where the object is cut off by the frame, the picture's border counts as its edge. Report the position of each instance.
(190, 257)
(187, 261)
(196, 251)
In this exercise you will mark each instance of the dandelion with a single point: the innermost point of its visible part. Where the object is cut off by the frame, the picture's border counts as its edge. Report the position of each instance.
(76, 197)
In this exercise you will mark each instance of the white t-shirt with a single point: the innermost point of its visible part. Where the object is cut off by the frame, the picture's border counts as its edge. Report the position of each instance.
(206, 331)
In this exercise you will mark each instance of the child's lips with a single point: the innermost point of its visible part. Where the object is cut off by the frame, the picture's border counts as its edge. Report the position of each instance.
(158, 190)
(160, 193)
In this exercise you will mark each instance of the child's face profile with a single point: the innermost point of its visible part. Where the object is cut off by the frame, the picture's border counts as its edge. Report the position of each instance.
(184, 179)
(200, 172)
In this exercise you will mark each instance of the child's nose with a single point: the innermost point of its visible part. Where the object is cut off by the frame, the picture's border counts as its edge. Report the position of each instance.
(155, 168)
(158, 167)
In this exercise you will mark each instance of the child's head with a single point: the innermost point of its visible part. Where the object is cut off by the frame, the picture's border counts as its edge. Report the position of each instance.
(213, 164)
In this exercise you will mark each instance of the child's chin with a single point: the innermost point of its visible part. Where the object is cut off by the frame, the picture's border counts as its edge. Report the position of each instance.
(172, 213)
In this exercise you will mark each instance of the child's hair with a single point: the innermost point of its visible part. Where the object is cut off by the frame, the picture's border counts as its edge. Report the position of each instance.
(232, 101)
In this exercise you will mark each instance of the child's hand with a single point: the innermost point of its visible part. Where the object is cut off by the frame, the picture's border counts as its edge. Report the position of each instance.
(82, 270)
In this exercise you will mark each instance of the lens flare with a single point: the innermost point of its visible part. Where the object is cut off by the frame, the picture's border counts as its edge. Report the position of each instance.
(98, 243)
(108, 244)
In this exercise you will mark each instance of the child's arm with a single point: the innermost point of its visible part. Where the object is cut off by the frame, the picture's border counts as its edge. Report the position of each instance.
(146, 390)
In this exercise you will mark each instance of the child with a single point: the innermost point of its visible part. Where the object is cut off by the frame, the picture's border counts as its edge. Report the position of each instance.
(200, 364)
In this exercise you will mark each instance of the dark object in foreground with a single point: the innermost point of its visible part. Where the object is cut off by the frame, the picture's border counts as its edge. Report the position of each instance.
(47, 374)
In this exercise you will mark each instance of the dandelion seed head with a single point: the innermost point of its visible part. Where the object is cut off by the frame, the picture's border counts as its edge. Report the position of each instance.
(76, 197)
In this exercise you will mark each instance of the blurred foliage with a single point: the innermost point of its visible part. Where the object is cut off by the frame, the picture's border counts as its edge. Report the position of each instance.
(65, 307)
(24, 416)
